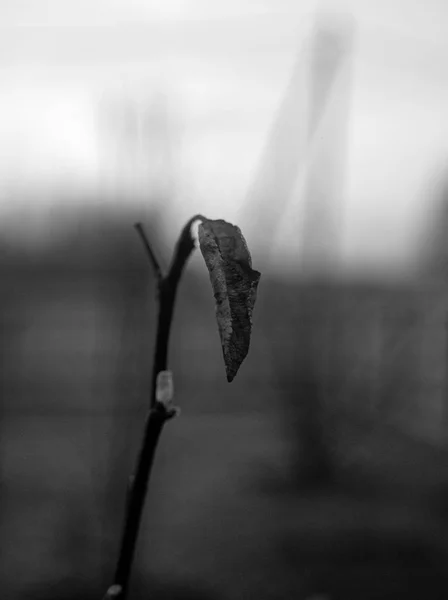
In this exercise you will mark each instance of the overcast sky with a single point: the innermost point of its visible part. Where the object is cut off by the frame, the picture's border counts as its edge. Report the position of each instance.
(223, 69)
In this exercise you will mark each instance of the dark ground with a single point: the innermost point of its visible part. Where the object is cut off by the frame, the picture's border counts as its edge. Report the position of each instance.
(223, 519)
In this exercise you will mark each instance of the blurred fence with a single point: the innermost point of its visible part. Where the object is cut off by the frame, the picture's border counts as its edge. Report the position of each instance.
(365, 373)
(394, 353)
(378, 348)
(77, 341)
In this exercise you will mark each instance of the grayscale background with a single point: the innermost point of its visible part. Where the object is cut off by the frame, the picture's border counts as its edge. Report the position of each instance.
(321, 130)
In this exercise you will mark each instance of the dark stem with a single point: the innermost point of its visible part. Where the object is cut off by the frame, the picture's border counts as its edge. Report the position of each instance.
(158, 413)
(137, 494)
(167, 298)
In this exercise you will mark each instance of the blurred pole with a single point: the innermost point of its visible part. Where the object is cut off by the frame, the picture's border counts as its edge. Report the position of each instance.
(329, 98)
(292, 140)
(280, 163)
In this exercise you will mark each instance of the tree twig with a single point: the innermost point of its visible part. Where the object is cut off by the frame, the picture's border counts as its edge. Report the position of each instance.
(149, 251)
(136, 498)
(167, 298)
(158, 413)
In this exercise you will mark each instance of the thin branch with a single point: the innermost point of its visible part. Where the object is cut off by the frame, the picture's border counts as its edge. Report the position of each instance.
(158, 414)
(136, 498)
(184, 247)
(167, 298)
(149, 251)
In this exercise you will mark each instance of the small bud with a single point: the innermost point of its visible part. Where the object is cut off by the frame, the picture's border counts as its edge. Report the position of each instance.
(165, 388)
(114, 591)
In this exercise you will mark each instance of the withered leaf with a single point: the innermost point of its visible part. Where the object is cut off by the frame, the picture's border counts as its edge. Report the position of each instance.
(234, 285)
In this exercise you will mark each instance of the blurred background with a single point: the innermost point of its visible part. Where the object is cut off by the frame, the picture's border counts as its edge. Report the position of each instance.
(320, 129)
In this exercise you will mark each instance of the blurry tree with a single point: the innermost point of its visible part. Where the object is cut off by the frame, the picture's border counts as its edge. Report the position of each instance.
(433, 260)
(296, 356)
(139, 135)
(316, 460)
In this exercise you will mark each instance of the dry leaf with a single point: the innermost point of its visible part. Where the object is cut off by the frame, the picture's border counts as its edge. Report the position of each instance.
(234, 285)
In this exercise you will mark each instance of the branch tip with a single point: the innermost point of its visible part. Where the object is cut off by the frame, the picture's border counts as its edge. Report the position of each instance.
(149, 251)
